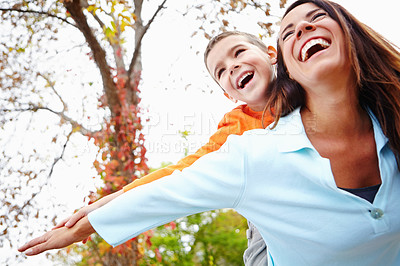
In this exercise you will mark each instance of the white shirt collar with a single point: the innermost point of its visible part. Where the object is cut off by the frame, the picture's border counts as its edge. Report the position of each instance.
(292, 130)
(380, 139)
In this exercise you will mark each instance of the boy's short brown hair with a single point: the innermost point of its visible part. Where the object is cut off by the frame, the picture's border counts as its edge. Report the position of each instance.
(250, 38)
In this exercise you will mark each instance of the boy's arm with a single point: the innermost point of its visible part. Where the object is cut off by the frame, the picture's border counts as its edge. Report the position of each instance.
(83, 212)
(235, 122)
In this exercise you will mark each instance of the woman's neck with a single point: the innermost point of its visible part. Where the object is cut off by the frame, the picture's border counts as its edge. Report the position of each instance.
(335, 116)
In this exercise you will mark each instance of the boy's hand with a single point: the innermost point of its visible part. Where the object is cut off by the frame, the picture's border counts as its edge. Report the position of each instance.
(59, 238)
(83, 212)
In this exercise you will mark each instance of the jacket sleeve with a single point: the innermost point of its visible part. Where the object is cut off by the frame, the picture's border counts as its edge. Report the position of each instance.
(214, 181)
(232, 123)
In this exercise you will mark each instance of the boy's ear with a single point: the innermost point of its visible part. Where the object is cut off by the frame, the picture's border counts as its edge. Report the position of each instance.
(273, 55)
(230, 97)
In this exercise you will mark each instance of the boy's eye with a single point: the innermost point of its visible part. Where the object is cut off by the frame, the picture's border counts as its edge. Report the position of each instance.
(318, 15)
(287, 34)
(219, 73)
(238, 52)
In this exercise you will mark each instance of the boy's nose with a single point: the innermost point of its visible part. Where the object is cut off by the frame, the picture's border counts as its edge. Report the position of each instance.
(234, 68)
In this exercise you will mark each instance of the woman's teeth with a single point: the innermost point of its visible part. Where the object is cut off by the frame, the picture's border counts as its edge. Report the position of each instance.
(316, 45)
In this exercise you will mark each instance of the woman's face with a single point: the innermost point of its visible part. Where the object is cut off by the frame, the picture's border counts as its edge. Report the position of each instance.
(313, 47)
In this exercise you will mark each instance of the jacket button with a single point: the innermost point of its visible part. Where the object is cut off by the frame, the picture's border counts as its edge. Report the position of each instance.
(376, 213)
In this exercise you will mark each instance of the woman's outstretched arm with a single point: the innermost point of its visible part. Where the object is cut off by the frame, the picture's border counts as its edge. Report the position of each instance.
(215, 181)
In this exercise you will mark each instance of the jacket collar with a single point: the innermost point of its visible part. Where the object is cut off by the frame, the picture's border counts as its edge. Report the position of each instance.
(291, 133)
(380, 139)
(294, 138)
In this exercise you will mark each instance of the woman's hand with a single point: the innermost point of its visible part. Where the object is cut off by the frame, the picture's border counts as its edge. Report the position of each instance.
(59, 238)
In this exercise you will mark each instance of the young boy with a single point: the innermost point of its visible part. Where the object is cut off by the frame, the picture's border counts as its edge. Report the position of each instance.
(244, 74)
(242, 66)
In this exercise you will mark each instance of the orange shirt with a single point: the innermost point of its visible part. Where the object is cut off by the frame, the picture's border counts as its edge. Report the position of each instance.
(237, 121)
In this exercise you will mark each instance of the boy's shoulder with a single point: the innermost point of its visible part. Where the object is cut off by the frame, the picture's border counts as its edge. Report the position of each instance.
(243, 110)
(242, 118)
(246, 117)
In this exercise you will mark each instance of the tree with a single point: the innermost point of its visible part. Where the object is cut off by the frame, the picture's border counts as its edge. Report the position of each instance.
(107, 35)
(104, 26)
(210, 238)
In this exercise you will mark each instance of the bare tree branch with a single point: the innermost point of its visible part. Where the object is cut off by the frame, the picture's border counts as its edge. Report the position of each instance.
(139, 40)
(101, 24)
(75, 9)
(44, 13)
(61, 155)
(28, 202)
(51, 84)
(32, 108)
(117, 49)
(114, 45)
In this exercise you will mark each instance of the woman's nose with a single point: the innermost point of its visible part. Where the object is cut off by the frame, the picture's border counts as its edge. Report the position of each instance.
(304, 27)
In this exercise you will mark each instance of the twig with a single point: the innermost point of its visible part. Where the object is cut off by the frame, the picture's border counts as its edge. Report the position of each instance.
(39, 13)
(34, 108)
(139, 40)
(28, 202)
(54, 90)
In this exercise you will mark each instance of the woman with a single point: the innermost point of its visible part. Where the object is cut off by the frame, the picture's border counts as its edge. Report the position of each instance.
(336, 134)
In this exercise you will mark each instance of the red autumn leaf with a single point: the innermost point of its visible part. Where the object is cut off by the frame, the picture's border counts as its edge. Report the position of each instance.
(158, 254)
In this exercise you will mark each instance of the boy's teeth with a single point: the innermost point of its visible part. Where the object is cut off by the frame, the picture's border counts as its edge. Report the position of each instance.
(240, 83)
(307, 46)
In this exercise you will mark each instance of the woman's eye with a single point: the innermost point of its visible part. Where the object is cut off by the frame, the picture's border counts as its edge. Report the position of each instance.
(287, 35)
(219, 73)
(238, 52)
(318, 15)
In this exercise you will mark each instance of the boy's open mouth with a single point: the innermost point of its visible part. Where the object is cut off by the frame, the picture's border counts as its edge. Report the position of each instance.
(244, 79)
(312, 47)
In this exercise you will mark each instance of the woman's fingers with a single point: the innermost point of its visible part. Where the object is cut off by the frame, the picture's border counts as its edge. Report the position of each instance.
(36, 249)
(62, 223)
(59, 238)
(34, 242)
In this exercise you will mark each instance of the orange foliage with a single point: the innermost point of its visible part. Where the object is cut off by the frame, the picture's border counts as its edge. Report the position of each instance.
(121, 159)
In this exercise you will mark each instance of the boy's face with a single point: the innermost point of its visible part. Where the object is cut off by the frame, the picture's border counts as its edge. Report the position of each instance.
(242, 69)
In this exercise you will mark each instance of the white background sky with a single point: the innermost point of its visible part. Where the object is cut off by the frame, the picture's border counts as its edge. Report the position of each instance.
(166, 51)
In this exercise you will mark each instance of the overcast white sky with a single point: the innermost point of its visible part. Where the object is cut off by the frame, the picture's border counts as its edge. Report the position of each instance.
(172, 107)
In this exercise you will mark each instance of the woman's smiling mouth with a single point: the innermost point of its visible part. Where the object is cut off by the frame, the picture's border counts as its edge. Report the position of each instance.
(312, 47)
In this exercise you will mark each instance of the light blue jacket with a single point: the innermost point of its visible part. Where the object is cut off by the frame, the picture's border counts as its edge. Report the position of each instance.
(279, 182)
